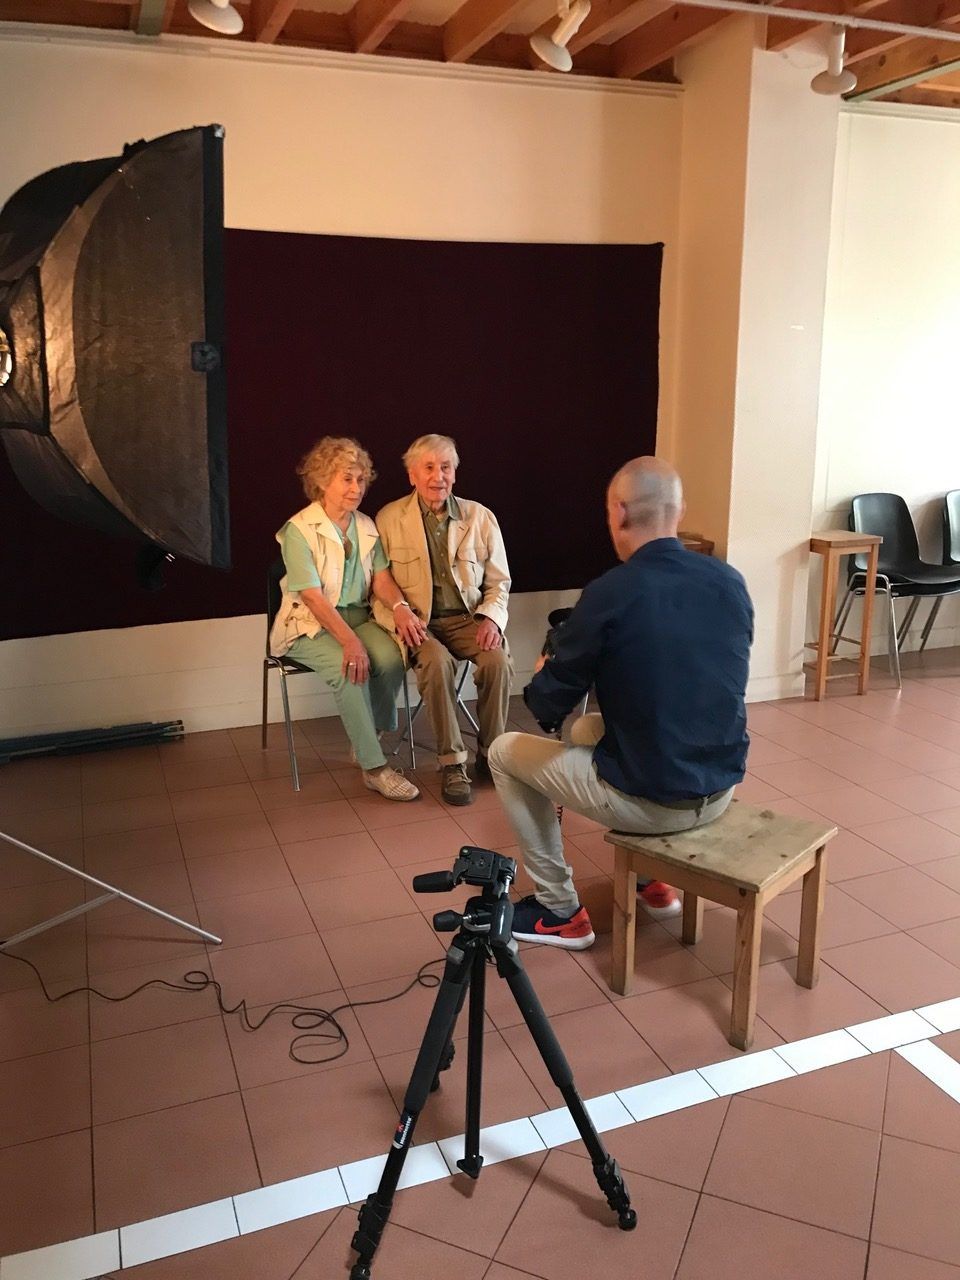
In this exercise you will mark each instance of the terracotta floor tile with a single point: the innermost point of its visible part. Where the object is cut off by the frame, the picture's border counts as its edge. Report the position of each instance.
(948, 818)
(156, 1006)
(730, 1241)
(596, 894)
(560, 983)
(264, 1255)
(23, 907)
(215, 802)
(918, 1110)
(136, 937)
(126, 815)
(943, 938)
(248, 737)
(264, 1056)
(764, 751)
(278, 793)
(164, 1067)
(105, 779)
(189, 775)
(46, 1192)
(917, 792)
(376, 895)
(907, 898)
(211, 745)
(19, 868)
(912, 839)
(44, 1095)
(31, 1024)
(626, 1060)
(891, 1264)
(918, 1189)
(381, 949)
(60, 954)
(716, 949)
(851, 856)
(162, 884)
(596, 848)
(754, 790)
(315, 820)
(853, 1092)
(473, 1215)
(688, 1026)
(267, 972)
(402, 1255)
(861, 765)
(438, 838)
(799, 777)
(844, 919)
(827, 1180)
(225, 875)
(853, 806)
(393, 1025)
(154, 1164)
(945, 871)
(677, 1147)
(259, 765)
(256, 917)
(108, 856)
(26, 786)
(318, 1120)
(795, 1012)
(330, 856)
(38, 828)
(207, 836)
(507, 1089)
(896, 971)
(564, 1227)
(490, 828)
(376, 813)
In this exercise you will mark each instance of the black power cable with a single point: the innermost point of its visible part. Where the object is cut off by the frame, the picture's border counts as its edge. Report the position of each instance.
(316, 1026)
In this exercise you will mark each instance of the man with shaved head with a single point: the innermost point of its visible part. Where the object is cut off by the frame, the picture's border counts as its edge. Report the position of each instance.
(664, 640)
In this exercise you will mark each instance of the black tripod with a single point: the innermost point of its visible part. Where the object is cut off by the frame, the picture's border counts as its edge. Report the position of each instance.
(484, 929)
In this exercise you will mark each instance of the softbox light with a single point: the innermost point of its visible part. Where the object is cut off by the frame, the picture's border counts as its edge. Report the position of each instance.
(112, 386)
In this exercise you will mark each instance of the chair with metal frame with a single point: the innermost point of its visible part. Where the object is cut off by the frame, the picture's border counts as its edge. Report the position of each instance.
(407, 735)
(902, 574)
(285, 666)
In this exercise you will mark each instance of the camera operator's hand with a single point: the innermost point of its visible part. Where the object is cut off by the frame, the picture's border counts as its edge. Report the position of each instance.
(356, 661)
(411, 629)
(488, 635)
(541, 662)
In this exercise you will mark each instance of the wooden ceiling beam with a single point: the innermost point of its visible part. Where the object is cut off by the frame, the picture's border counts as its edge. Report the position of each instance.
(864, 42)
(371, 21)
(101, 14)
(783, 32)
(268, 18)
(475, 24)
(919, 58)
(608, 18)
(662, 38)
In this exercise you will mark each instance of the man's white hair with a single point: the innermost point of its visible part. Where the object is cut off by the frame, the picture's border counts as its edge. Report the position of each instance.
(430, 444)
(650, 490)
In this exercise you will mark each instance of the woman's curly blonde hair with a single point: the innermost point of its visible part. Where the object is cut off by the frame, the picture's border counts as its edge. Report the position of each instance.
(328, 456)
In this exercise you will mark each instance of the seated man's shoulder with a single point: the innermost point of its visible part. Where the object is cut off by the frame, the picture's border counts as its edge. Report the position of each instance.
(391, 511)
(473, 510)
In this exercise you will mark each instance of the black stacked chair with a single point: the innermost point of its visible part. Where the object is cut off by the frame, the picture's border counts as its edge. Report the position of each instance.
(901, 573)
(286, 667)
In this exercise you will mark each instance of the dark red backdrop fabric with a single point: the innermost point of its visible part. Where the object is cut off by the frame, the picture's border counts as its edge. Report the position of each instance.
(540, 360)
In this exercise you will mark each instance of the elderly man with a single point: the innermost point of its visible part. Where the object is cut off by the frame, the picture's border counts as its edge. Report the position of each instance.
(448, 559)
(664, 639)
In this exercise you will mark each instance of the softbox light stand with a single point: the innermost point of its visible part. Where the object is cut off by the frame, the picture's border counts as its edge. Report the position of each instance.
(111, 892)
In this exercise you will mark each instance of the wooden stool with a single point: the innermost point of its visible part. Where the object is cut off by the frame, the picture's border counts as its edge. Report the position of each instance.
(833, 544)
(742, 860)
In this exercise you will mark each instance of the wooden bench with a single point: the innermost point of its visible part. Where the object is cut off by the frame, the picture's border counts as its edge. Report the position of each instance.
(742, 860)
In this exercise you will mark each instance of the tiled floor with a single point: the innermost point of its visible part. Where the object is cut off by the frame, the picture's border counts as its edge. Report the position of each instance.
(113, 1113)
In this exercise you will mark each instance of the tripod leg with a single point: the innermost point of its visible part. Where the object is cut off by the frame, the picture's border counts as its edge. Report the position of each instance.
(436, 1039)
(472, 1159)
(605, 1168)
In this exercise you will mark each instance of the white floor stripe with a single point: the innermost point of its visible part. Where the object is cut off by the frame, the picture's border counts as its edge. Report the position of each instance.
(936, 1065)
(906, 1033)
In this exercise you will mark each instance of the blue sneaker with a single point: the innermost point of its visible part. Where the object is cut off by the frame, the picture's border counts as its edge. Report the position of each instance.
(533, 922)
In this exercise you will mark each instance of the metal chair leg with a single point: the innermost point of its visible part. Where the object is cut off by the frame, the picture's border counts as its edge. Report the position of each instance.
(893, 647)
(295, 772)
(928, 625)
(460, 702)
(266, 681)
(908, 621)
(409, 729)
(841, 620)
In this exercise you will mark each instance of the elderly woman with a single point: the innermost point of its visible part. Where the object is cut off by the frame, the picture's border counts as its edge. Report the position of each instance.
(334, 560)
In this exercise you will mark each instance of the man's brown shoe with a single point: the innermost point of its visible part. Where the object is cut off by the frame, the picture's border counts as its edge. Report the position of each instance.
(455, 785)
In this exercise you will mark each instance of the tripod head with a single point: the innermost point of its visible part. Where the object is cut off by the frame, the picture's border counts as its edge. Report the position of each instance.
(492, 912)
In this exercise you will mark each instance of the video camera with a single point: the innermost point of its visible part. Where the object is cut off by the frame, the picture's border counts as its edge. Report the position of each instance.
(556, 619)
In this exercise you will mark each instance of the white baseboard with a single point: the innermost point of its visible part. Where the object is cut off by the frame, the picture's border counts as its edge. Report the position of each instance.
(772, 688)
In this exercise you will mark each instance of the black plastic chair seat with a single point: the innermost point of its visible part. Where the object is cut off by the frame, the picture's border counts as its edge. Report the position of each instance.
(922, 574)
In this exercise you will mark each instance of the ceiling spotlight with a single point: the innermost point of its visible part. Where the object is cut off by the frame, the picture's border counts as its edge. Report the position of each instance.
(553, 48)
(836, 79)
(218, 15)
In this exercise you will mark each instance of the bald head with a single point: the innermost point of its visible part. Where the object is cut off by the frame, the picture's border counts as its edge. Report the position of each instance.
(644, 502)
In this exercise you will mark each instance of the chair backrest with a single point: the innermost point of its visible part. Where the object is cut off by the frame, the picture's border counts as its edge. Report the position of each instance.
(888, 515)
(951, 527)
(274, 594)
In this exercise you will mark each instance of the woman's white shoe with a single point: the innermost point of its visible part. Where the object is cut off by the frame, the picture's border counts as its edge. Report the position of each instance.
(391, 784)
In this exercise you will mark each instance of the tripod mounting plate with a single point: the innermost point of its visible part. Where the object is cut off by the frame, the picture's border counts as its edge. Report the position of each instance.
(482, 867)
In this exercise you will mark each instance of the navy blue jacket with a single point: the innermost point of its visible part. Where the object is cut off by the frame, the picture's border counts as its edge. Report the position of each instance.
(664, 639)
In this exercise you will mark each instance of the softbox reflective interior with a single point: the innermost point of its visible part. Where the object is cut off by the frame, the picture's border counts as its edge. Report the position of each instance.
(112, 387)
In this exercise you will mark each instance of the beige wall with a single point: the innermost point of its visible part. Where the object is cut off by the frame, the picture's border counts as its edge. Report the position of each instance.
(315, 145)
(889, 419)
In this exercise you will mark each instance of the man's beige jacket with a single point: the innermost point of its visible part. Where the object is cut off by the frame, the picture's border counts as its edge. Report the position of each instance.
(478, 559)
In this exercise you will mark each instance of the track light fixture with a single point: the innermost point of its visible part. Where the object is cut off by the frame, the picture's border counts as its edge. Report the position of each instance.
(552, 49)
(218, 15)
(836, 79)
